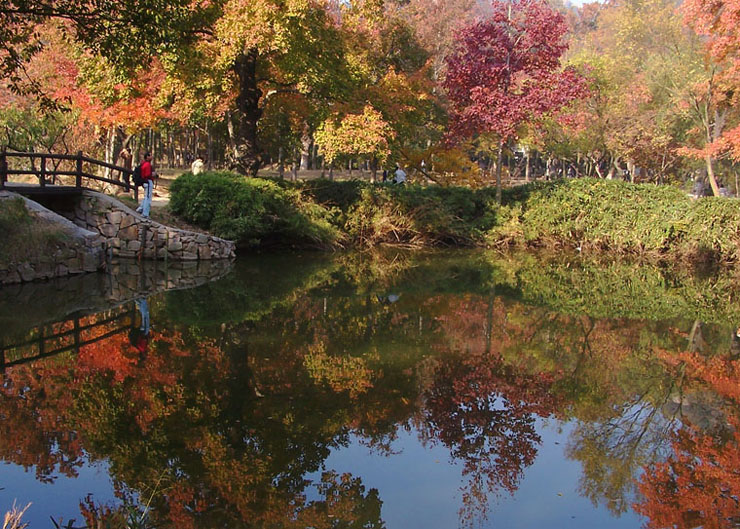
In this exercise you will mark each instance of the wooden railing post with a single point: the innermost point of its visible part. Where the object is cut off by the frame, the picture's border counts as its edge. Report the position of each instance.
(3, 168)
(42, 174)
(78, 182)
(77, 334)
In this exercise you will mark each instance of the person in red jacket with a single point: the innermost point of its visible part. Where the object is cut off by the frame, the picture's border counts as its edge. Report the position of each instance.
(148, 175)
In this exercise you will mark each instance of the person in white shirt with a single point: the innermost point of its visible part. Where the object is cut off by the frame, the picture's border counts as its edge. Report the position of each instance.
(197, 166)
(400, 177)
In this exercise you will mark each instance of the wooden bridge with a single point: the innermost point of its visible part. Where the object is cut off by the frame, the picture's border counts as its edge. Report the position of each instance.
(58, 173)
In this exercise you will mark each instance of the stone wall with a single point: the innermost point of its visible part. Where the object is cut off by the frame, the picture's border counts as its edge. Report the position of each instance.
(76, 251)
(128, 234)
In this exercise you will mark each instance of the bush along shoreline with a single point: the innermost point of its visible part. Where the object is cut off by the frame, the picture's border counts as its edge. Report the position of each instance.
(660, 222)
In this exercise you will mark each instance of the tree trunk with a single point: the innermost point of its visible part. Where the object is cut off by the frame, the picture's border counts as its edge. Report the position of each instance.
(110, 154)
(373, 170)
(209, 151)
(245, 156)
(499, 163)
(710, 174)
(296, 164)
(306, 147)
(281, 163)
(526, 168)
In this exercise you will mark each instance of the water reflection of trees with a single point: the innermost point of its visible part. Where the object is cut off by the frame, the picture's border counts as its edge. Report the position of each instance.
(698, 483)
(226, 416)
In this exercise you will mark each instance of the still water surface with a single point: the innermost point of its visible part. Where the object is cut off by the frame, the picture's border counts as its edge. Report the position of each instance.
(434, 390)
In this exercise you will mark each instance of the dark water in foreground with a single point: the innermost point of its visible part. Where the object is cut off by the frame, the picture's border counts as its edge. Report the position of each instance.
(395, 390)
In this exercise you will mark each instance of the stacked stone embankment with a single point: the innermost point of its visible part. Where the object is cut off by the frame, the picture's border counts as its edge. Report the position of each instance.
(77, 250)
(96, 228)
(129, 234)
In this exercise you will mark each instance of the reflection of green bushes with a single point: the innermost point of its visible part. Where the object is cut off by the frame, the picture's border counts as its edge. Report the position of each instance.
(254, 289)
(578, 287)
(624, 290)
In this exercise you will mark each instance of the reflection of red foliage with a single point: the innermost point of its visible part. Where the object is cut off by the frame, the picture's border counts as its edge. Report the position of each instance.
(482, 408)
(721, 373)
(697, 486)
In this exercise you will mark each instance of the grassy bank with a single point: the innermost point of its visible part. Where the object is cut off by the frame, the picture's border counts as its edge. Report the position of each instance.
(23, 236)
(601, 215)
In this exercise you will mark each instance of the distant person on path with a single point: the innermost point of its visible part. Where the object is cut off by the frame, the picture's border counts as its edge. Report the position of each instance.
(148, 175)
(698, 189)
(198, 166)
(400, 177)
(126, 158)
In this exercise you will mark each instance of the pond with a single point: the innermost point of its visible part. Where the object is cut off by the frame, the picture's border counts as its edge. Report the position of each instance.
(391, 389)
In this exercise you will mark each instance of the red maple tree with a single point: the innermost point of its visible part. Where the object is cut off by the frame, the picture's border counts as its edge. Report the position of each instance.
(505, 72)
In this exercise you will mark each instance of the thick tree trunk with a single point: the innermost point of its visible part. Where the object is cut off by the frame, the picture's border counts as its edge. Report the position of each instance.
(245, 156)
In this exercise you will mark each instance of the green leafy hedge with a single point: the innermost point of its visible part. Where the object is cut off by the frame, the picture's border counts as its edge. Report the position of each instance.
(323, 213)
(611, 216)
(253, 211)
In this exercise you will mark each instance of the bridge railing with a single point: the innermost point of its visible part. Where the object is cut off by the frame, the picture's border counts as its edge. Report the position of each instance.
(47, 173)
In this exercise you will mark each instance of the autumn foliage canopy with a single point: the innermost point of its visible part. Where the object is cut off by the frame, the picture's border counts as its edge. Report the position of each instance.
(506, 70)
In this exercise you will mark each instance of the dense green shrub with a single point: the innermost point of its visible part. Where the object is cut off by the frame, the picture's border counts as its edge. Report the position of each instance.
(328, 193)
(252, 211)
(606, 213)
(713, 226)
(418, 215)
(322, 212)
(591, 214)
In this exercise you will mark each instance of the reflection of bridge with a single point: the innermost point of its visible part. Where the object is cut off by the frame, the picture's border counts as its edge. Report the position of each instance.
(34, 315)
(45, 345)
